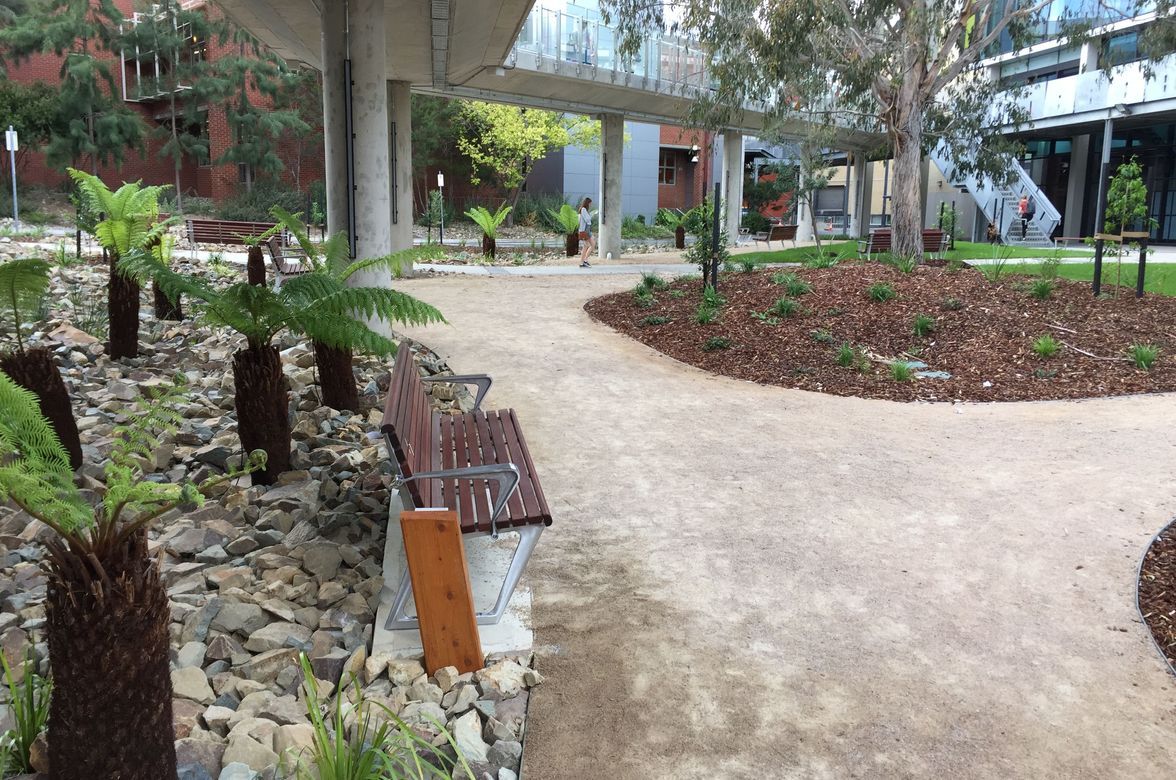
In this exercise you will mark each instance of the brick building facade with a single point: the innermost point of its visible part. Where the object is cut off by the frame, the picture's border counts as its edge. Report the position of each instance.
(682, 167)
(201, 178)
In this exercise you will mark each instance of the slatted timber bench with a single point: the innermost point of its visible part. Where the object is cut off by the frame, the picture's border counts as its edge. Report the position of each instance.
(476, 464)
(226, 231)
(779, 233)
(880, 241)
(288, 261)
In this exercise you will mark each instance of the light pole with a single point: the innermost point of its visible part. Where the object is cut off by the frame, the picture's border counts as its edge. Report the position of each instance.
(10, 141)
(441, 192)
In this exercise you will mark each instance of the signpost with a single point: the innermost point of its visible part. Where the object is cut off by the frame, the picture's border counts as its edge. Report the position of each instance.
(10, 142)
(441, 190)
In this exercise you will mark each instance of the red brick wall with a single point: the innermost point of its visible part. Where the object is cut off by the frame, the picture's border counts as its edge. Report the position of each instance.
(215, 181)
(691, 182)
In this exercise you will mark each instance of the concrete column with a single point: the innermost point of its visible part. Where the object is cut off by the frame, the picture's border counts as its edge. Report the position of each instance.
(804, 227)
(863, 188)
(924, 185)
(612, 151)
(733, 183)
(369, 116)
(334, 51)
(400, 109)
(1076, 186)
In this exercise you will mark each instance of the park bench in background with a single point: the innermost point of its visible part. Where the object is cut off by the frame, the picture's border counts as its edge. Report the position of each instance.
(779, 233)
(935, 242)
(476, 464)
(224, 231)
(287, 261)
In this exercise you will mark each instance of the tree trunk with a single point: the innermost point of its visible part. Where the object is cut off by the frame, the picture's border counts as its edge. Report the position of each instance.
(123, 307)
(35, 371)
(906, 194)
(489, 246)
(572, 243)
(165, 307)
(679, 237)
(255, 266)
(263, 408)
(336, 378)
(107, 625)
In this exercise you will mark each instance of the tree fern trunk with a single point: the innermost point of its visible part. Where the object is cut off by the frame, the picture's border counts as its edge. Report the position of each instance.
(572, 244)
(107, 626)
(679, 238)
(123, 306)
(35, 371)
(255, 266)
(489, 246)
(166, 308)
(263, 408)
(336, 378)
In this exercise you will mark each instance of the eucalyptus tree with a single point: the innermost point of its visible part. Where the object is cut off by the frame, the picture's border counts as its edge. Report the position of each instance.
(901, 68)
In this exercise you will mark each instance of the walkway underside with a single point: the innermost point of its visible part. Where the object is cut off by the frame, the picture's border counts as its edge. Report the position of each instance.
(752, 582)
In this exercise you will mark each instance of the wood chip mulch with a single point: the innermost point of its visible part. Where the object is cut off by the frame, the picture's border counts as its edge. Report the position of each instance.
(1157, 592)
(986, 344)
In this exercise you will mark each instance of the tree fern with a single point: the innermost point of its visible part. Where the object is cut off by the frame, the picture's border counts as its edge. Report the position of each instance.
(23, 284)
(131, 213)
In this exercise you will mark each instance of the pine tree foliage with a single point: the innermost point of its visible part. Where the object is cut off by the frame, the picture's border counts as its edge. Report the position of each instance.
(35, 473)
(23, 285)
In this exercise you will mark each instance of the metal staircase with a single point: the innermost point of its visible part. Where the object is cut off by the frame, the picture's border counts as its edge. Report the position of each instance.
(999, 202)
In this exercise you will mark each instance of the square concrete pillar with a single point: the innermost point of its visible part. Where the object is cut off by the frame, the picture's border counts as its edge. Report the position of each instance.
(1076, 186)
(369, 117)
(863, 176)
(400, 109)
(334, 53)
(612, 151)
(733, 184)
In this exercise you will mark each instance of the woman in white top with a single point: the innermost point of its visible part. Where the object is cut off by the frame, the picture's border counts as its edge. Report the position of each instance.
(586, 242)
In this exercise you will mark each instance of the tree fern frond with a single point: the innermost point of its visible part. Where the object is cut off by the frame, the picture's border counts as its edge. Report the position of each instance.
(378, 303)
(34, 467)
(23, 284)
(341, 330)
(395, 261)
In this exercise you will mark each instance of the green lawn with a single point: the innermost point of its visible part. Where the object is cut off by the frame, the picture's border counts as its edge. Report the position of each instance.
(965, 250)
(1159, 278)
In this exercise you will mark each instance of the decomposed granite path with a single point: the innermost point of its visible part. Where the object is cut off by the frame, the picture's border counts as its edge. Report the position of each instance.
(754, 582)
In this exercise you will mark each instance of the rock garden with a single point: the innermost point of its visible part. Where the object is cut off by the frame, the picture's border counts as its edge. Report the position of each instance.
(906, 332)
(190, 604)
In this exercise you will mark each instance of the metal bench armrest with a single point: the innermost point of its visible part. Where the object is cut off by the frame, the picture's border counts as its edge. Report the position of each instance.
(481, 381)
(505, 474)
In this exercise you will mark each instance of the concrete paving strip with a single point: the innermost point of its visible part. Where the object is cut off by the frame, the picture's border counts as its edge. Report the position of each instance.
(754, 582)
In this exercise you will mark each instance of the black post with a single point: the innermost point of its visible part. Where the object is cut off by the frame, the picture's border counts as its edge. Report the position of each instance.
(1142, 268)
(939, 223)
(1096, 283)
(715, 240)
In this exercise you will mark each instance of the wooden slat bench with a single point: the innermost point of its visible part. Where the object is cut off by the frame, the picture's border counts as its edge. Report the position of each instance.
(476, 464)
(880, 240)
(225, 231)
(287, 261)
(779, 233)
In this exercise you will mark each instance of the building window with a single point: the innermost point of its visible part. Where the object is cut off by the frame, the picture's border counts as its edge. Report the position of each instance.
(666, 168)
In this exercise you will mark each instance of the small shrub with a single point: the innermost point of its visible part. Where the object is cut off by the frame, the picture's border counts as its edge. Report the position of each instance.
(785, 307)
(716, 343)
(1049, 268)
(764, 317)
(951, 304)
(655, 319)
(705, 315)
(712, 299)
(923, 325)
(846, 355)
(28, 706)
(677, 293)
(1041, 289)
(652, 282)
(1046, 345)
(819, 261)
(1144, 355)
(747, 266)
(901, 372)
(881, 292)
(821, 336)
(728, 266)
(904, 264)
(797, 286)
(644, 298)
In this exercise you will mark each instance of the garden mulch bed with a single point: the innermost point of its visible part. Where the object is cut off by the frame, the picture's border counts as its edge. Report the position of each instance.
(986, 345)
(1157, 592)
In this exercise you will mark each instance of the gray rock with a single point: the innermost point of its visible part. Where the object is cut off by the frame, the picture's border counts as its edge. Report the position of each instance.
(200, 751)
(250, 753)
(506, 774)
(192, 772)
(213, 455)
(322, 559)
(264, 668)
(467, 734)
(215, 554)
(239, 619)
(504, 678)
(277, 635)
(424, 713)
(446, 677)
(464, 699)
(494, 731)
(425, 691)
(189, 682)
(191, 654)
(238, 771)
(506, 753)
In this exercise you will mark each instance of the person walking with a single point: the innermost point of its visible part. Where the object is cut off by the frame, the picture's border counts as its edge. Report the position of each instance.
(1024, 210)
(586, 239)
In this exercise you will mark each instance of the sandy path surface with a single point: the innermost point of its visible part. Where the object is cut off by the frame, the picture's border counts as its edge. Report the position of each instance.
(754, 582)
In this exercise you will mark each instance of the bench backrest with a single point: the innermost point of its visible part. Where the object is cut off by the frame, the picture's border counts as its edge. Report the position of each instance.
(782, 232)
(879, 241)
(223, 231)
(408, 425)
(934, 240)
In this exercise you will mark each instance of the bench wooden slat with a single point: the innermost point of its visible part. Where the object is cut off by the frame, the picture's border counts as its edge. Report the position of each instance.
(501, 450)
(466, 489)
(469, 423)
(541, 500)
(518, 457)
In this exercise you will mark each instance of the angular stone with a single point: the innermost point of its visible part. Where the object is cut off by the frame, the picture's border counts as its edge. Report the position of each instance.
(280, 608)
(239, 618)
(283, 710)
(185, 717)
(531, 678)
(217, 718)
(512, 712)
(424, 713)
(464, 698)
(189, 682)
(322, 559)
(191, 654)
(192, 772)
(238, 771)
(402, 671)
(203, 752)
(494, 730)
(294, 743)
(425, 691)
(225, 648)
(277, 635)
(264, 668)
(506, 753)
(329, 666)
(467, 734)
(306, 493)
(446, 677)
(504, 678)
